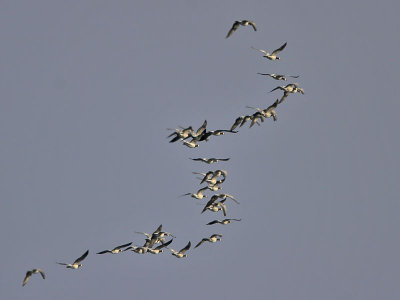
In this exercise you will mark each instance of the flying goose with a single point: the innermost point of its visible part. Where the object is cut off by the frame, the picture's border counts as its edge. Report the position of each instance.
(236, 25)
(223, 197)
(223, 222)
(290, 88)
(141, 250)
(76, 263)
(211, 177)
(273, 55)
(277, 76)
(210, 160)
(269, 111)
(29, 274)
(116, 250)
(180, 253)
(220, 173)
(215, 206)
(199, 195)
(212, 239)
(156, 237)
(213, 180)
(159, 249)
(181, 134)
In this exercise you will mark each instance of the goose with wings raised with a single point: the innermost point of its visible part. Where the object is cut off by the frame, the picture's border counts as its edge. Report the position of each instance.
(214, 206)
(237, 24)
(180, 253)
(273, 55)
(212, 239)
(76, 264)
(199, 195)
(269, 111)
(30, 273)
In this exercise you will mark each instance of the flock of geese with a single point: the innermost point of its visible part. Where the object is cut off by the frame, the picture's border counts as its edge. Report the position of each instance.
(156, 242)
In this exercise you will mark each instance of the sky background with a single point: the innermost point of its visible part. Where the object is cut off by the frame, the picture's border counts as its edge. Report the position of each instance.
(88, 89)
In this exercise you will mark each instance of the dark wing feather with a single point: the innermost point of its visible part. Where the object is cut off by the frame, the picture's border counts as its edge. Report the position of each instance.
(233, 29)
(237, 122)
(176, 138)
(170, 135)
(202, 128)
(201, 242)
(224, 159)
(277, 88)
(211, 201)
(279, 49)
(213, 222)
(197, 159)
(186, 248)
(159, 228)
(27, 277)
(77, 261)
(164, 245)
(123, 246)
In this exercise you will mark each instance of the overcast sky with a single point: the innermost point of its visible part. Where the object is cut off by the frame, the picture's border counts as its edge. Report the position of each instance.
(88, 89)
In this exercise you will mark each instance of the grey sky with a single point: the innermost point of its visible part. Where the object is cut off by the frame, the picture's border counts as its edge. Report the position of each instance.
(88, 89)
